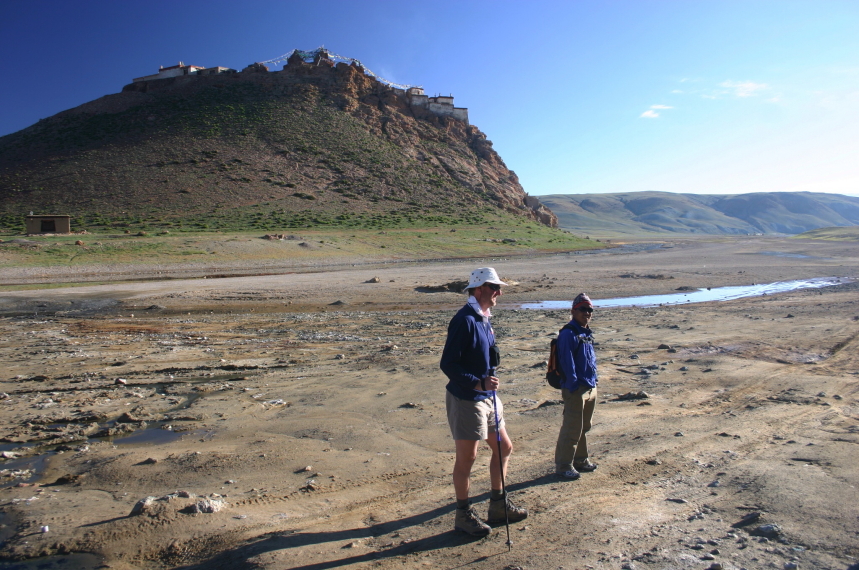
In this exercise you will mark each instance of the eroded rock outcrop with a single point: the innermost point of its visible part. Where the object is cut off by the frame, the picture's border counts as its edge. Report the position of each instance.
(232, 137)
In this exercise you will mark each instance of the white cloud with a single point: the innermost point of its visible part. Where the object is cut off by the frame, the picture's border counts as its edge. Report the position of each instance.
(676, 91)
(744, 88)
(651, 113)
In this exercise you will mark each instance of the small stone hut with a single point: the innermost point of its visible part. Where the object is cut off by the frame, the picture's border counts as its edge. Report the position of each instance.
(48, 224)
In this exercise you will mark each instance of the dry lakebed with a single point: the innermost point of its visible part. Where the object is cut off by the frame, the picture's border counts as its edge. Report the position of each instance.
(297, 420)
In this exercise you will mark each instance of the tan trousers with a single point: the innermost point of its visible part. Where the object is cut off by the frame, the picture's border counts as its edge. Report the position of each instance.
(572, 446)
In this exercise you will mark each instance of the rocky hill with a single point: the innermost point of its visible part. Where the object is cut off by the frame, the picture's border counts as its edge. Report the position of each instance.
(660, 212)
(315, 143)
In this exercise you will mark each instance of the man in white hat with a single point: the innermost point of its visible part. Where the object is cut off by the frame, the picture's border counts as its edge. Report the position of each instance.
(469, 367)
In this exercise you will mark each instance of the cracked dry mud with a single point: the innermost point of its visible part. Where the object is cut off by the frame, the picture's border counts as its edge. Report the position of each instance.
(322, 427)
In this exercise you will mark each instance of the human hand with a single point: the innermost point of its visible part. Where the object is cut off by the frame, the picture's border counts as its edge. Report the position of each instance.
(490, 383)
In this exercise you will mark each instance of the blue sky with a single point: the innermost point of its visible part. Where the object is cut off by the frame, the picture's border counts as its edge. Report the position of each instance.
(700, 96)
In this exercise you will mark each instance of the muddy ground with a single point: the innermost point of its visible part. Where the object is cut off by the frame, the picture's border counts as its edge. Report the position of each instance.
(307, 411)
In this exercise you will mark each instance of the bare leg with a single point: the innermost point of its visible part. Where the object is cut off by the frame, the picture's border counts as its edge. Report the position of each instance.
(466, 453)
(506, 450)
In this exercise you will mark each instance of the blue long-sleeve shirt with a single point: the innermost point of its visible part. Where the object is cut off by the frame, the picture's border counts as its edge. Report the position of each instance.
(576, 357)
(465, 359)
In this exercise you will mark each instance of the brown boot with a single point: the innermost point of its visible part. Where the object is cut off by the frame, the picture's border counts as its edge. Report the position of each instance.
(496, 513)
(468, 522)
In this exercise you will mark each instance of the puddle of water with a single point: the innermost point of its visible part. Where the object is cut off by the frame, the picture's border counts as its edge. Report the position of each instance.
(14, 446)
(699, 296)
(152, 433)
(33, 466)
(153, 436)
(794, 255)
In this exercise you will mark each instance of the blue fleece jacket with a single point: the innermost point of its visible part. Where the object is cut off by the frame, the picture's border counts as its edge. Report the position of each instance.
(465, 360)
(577, 357)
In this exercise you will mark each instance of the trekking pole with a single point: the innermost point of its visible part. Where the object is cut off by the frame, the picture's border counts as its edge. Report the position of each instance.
(501, 465)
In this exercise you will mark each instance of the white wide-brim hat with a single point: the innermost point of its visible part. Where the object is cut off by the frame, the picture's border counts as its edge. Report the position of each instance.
(484, 275)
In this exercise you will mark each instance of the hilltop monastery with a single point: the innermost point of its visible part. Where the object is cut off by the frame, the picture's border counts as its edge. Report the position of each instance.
(439, 105)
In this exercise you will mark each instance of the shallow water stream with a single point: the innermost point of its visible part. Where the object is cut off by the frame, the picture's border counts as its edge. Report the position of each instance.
(701, 295)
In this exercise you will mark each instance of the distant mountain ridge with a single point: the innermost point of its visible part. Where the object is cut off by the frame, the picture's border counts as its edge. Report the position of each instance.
(661, 212)
(317, 142)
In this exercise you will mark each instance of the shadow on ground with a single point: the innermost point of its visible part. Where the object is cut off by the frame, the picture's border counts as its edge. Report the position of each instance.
(239, 558)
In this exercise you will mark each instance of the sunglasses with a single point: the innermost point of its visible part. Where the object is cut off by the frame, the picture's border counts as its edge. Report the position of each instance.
(586, 310)
(493, 286)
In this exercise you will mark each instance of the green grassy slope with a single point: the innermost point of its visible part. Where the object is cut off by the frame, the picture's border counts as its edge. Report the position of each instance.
(642, 213)
(314, 146)
(832, 234)
(495, 235)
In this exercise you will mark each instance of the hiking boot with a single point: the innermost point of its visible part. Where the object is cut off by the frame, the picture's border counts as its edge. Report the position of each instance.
(468, 522)
(585, 466)
(496, 511)
(569, 475)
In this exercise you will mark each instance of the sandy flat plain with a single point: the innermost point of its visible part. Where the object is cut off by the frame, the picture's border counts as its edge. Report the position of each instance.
(307, 411)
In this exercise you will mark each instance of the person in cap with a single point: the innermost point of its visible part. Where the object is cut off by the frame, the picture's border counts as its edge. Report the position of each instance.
(467, 363)
(578, 362)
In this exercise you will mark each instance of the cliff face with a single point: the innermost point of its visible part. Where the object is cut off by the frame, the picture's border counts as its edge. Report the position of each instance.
(313, 137)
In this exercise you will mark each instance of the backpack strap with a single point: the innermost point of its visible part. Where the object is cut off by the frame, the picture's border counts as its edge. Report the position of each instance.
(567, 327)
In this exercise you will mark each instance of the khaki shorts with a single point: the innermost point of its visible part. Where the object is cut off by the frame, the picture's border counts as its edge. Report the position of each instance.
(472, 420)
